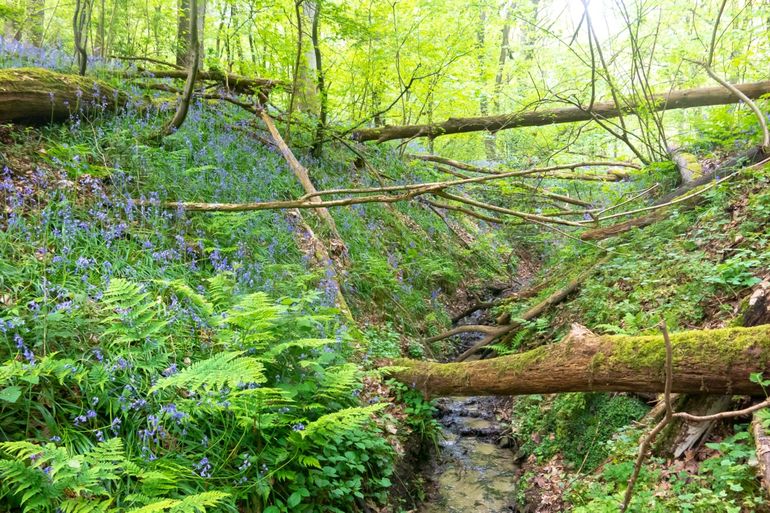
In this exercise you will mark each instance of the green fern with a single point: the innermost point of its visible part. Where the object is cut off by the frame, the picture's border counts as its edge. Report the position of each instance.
(221, 290)
(340, 421)
(130, 315)
(46, 477)
(182, 289)
(302, 344)
(223, 369)
(191, 504)
(339, 381)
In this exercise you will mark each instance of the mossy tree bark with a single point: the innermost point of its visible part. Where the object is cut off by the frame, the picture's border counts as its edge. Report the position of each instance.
(704, 361)
(34, 95)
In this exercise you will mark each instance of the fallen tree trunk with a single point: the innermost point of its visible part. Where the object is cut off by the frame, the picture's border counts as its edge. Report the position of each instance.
(704, 361)
(762, 443)
(230, 81)
(701, 97)
(534, 312)
(752, 156)
(35, 95)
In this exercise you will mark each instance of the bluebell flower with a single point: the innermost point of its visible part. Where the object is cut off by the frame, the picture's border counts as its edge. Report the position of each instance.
(203, 467)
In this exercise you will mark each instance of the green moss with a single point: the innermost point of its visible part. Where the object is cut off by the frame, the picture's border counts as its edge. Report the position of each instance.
(719, 347)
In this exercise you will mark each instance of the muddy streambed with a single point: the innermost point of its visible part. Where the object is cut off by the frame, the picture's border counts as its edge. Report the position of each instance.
(473, 472)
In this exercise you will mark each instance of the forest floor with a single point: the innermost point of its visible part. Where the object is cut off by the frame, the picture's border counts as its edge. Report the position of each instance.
(206, 351)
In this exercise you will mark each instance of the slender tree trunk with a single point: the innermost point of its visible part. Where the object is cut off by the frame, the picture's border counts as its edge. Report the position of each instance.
(100, 40)
(189, 87)
(489, 139)
(80, 25)
(183, 33)
(36, 17)
(320, 81)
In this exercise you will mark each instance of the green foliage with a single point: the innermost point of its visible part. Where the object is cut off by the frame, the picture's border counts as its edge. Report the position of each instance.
(421, 412)
(577, 425)
(725, 482)
(296, 399)
(47, 477)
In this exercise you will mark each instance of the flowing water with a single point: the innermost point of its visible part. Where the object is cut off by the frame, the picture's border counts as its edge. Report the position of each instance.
(473, 473)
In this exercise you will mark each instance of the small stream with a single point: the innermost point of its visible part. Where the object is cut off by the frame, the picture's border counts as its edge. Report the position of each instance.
(472, 472)
(475, 469)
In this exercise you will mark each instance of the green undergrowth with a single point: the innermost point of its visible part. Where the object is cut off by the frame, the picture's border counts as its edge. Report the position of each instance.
(692, 270)
(152, 359)
(724, 483)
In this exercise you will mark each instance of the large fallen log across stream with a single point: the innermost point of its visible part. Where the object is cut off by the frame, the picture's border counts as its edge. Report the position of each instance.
(687, 98)
(704, 362)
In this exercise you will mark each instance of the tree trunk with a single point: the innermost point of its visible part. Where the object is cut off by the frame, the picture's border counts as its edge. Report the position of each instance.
(315, 38)
(337, 245)
(184, 102)
(687, 98)
(33, 95)
(80, 26)
(182, 32)
(704, 362)
(230, 81)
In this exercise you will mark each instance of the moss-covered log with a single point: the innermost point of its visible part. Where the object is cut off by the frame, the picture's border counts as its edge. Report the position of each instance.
(706, 362)
(34, 95)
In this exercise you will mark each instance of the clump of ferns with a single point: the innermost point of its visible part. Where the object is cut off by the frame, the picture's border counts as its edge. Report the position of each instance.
(222, 399)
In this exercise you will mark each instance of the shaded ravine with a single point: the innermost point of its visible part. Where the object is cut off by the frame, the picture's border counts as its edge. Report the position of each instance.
(473, 471)
(475, 468)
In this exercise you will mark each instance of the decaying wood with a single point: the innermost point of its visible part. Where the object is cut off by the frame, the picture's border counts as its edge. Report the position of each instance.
(704, 361)
(318, 257)
(534, 312)
(687, 98)
(757, 309)
(683, 197)
(505, 317)
(338, 249)
(762, 443)
(611, 175)
(230, 81)
(35, 96)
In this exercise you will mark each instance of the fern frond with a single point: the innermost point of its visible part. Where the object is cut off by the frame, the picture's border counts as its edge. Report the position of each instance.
(220, 290)
(154, 507)
(199, 502)
(184, 290)
(191, 504)
(302, 344)
(340, 421)
(83, 505)
(253, 312)
(339, 381)
(228, 368)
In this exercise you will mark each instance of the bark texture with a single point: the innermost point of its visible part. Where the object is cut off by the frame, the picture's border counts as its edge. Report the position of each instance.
(701, 97)
(704, 361)
(34, 95)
